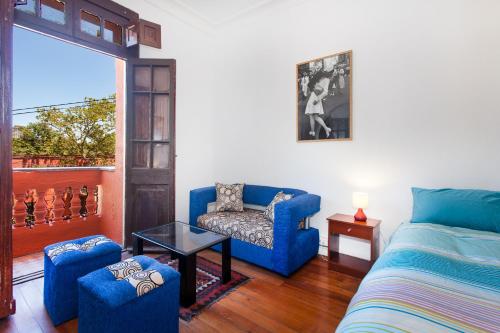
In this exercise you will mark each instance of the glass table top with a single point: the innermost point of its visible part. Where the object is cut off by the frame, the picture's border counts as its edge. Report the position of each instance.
(181, 237)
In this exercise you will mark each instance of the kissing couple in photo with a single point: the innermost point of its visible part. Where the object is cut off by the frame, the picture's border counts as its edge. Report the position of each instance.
(314, 107)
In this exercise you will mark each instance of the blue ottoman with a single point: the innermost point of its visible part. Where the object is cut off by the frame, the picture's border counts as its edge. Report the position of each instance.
(136, 295)
(64, 263)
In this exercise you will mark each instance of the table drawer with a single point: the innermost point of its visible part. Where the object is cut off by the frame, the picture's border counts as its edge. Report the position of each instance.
(353, 230)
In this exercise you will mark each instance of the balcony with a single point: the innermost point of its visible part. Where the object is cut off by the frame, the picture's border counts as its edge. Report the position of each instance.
(57, 204)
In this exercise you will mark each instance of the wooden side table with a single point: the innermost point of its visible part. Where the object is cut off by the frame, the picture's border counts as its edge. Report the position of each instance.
(340, 224)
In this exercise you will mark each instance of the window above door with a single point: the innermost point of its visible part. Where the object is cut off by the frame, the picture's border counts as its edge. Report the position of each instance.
(101, 25)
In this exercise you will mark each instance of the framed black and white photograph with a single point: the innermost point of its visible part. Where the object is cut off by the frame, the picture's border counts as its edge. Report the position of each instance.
(324, 98)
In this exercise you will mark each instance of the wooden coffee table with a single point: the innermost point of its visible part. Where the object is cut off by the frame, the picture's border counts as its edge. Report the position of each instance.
(184, 241)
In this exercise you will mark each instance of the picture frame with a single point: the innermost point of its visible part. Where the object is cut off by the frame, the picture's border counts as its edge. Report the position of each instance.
(324, 98)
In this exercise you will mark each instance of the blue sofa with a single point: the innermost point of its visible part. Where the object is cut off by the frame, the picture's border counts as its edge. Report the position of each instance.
(291, 247)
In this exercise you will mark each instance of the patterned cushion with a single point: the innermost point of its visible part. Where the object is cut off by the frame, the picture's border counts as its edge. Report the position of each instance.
(130, 270)
(145, 281)
(94, 242)
(124, 268)
(249, 226)
(229, 197)
(88, 245)
(279, 197)
(58, 250)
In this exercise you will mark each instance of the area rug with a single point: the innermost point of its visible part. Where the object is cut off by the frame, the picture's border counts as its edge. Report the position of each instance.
(209, 287)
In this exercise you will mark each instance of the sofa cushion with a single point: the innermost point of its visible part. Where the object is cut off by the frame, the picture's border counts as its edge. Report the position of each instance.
(229, 197)
(249, 226)
(279, 197)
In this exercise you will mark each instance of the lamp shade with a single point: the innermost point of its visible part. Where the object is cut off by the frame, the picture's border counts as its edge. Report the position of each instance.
(360, 200)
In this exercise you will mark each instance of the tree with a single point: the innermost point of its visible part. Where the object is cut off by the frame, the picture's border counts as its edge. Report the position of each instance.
(35, 139)
(86, 131)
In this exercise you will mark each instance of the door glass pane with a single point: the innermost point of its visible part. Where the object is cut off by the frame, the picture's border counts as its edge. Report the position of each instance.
(53, 10)
(161, 121)
(141, 155)
(161, 77)
(142, 120)
(90, 23)
(142, 78)
(29, 7)
(113, 32)
(160, 155)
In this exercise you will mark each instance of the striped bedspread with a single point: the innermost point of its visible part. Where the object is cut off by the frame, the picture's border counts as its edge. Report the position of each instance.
(431, 278)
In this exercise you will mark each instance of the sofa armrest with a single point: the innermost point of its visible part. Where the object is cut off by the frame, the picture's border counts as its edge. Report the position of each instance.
(198, 201)
(287, 216)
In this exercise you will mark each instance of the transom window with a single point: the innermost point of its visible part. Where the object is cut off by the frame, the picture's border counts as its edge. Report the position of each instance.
(93, 25)
(53, 10)
(50, 10)
(90, 23)
(113, 32)
(83, 20)
(29, 7)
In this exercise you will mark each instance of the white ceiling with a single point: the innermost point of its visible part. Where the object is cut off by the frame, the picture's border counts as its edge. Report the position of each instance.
(217, 12)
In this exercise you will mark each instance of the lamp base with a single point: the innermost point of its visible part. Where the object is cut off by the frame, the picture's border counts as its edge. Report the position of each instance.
(360, 216)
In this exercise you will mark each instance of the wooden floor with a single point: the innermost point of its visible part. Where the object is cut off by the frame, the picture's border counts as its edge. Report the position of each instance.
(28, 264)
(312, 300)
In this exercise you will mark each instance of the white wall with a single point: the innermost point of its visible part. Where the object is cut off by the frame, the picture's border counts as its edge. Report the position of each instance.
(426, 102)
(192, 48)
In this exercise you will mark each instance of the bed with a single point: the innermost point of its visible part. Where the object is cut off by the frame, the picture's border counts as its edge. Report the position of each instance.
(431, 278)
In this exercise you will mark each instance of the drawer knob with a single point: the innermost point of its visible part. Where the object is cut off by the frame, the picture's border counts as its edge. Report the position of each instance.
(349, 229)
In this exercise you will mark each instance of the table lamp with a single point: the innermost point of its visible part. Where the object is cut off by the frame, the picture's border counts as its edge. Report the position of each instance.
(360, 201)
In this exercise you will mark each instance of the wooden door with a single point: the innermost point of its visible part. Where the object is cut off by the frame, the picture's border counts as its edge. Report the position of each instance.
(7, 303)
(150, 150)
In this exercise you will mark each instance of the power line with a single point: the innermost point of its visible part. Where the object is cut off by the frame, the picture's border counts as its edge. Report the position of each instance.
(36, 111)
(62, 104)
(39, 111)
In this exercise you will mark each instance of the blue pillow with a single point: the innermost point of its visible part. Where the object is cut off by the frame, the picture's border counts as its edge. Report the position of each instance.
(473, 209)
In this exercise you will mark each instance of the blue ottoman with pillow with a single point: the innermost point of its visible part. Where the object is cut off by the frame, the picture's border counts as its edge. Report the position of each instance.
(135, 295)
(64, 263)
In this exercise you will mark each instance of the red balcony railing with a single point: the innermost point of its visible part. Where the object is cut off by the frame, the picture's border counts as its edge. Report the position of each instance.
(56, 204)
(42, 161)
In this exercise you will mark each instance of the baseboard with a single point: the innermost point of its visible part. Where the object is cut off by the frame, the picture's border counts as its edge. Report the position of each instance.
(323, 250)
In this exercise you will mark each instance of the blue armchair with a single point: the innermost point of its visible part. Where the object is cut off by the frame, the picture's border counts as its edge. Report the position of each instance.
(291, 247)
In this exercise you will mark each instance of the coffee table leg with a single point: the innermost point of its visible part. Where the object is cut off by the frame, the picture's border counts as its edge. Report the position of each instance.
(138, 246)
(226, 261)
(187, 268)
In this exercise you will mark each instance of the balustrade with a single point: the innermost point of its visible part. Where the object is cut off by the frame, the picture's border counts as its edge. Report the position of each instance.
(51, 205)
(50, 202)
(56, 205)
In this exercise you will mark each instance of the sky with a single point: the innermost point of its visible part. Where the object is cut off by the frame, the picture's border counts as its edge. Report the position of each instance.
(49, 71)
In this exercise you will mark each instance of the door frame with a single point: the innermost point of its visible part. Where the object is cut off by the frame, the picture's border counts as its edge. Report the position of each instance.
(8, 20)
(7, 302)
